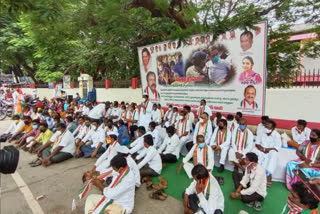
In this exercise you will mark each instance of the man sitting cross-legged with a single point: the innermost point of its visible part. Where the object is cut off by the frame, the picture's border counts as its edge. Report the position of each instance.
(169, 150)
(204, 194)
(242, 141)
(220, 142)
(201, 154)
(118, 197)
(59, 148)
(98, 139)
(251, 188)
(42, 139)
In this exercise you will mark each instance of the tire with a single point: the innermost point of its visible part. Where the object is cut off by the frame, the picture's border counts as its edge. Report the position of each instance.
(3, 114)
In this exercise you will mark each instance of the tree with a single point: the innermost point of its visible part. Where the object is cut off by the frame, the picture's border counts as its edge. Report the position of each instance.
(92, 35)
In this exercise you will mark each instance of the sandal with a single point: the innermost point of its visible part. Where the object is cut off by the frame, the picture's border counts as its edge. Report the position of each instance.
(149, 185)
(34, 161)
(157, 196)
(220, 180)
(269, 183)
(257, 206)
(145, 179)
(162, 192)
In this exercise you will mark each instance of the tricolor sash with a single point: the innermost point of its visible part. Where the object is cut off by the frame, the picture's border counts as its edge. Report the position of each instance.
(312, 155)
(205, 156)
(241, 145)
(206, 188)
(204, 130)
(184, 125)
(104, 202)
(83, 191)
(221, 137)
(131, 117)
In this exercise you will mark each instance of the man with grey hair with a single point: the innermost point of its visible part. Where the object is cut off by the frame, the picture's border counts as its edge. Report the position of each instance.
(199, 59)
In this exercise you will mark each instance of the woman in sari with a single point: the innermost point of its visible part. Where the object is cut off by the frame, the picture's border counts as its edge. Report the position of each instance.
(309, 159)
(123, 137)
(20, 103)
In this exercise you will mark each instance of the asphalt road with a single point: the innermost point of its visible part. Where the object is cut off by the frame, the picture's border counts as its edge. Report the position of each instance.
(60, 183)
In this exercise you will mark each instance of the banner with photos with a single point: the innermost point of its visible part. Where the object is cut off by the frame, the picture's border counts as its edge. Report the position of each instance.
(229, 73)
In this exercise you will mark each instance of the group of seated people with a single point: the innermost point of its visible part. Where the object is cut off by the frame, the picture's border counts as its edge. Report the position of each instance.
(134, 142)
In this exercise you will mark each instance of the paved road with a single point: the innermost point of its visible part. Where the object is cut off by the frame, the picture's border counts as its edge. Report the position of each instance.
(60, 184)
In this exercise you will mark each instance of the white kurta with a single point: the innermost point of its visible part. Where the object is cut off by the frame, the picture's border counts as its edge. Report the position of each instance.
(170, 145)
(215, 200)
(225, 145)
(155, 136)
(145, 117)
(156, 116)
(269, 160)
(137, 145)
(203, 109)
(97, 112)
(202, 129)
(240, 144)
(97, 136)
(152, 158)
(183, 128)
(214, 122)
(300, 137)
(257, 180)
(200, 157)
(103, 161)
(116, 112)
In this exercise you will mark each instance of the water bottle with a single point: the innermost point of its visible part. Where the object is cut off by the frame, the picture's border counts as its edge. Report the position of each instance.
(74, 206)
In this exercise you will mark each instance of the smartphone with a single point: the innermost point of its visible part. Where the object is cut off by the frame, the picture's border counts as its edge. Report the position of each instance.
(305, 180)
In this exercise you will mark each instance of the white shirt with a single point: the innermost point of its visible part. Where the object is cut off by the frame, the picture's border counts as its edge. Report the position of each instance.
(214, 123)
(116, 112)
(85, 110)
(248, 144)
(191, 119)
(200, 155)
(170, 145)
(104, 160)
(97, 112)
(15, 97)
(200, 128)
(13, 128)
(106, 129)
(173, 117)
(134, 116)
(107, 113)
(123, 193)
(84, 130)
(272, 141)
(215, 200)
(151, 157)
(258, 182)
(97, 136)
(156, 116)
(260, 129)
(135, 169)
(66, 140)
(186, 127)
(155, 137)
(205, 109)
(232, 125)
(300, 137)
(137, 145)
(226, 140)
(145, 117)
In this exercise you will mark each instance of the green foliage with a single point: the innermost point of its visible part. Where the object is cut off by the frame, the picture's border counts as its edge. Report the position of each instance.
(49, 39)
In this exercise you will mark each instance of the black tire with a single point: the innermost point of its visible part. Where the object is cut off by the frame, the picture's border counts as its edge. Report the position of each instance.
(3, 114)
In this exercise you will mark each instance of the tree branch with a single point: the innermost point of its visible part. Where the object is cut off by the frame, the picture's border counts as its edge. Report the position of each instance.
(268, 10)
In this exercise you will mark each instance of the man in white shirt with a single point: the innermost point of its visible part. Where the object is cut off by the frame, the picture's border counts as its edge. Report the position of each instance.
(137, 145)
(220, 142)
(59, 148)
(115, 113)
(261, 126)
(132, 119)
(251, 189)
(15, 125)
(145, 112)
(107, 126)
(83, 131)
(267, 148)
(216, 119)
(204, 108)
(183, 127)
(150, 164)
(242, 142)
(156, 115)
(168, 117)
(203, 127)
(204, 194)
(97, 113)
(190, 116)
(155, 134)
(103, 161)
(232, 123)
(201, 154)
(169, 150)
(98, 139)
(300, 133)
(118, 197)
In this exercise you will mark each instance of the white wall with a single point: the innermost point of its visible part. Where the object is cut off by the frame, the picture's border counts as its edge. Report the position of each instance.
(287, 104)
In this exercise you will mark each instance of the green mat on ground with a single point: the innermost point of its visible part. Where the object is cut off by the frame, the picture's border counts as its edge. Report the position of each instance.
(177, 183)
